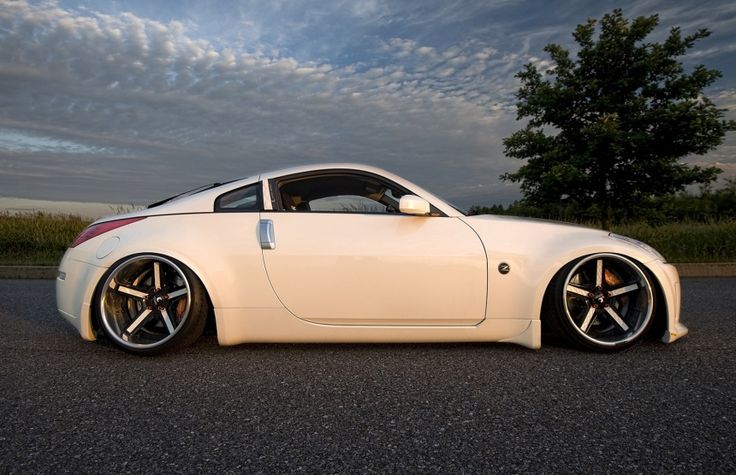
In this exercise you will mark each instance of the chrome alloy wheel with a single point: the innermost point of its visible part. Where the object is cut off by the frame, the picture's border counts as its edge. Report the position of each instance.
(608, 300)
(145, 302)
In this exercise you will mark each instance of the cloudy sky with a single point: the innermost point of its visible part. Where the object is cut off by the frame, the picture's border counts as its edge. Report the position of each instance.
(130, 101)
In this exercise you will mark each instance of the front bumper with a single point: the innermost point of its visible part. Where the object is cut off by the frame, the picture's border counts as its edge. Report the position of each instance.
(669, 279)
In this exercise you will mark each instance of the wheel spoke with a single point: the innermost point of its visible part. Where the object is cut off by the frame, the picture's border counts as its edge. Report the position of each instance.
(573, 289)
(585, 326)
(167, 321)
(599, 273)
(623, 290)
(177, 293)
(157, 274)
(127, 290)
(617, 318)
(133, 327)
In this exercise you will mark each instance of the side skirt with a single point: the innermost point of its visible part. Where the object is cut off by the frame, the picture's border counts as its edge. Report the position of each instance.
(277, 325)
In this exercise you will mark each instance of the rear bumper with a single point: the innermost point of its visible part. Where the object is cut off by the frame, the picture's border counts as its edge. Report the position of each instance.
(75, 286)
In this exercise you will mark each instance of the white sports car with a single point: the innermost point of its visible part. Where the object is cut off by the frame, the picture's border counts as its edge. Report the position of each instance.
(351, 253)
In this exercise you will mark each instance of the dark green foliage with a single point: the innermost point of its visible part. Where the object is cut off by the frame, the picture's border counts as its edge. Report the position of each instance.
(709, 206)
(606, 130)
(687, 242)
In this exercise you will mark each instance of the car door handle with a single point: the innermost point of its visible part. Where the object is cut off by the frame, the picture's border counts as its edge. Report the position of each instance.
(265, 233)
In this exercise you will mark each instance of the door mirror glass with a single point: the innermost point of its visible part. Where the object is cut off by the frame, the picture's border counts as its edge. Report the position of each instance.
(412, 204)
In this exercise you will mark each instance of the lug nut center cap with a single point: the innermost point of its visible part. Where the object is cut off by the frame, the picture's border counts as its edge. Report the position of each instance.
(156, 299)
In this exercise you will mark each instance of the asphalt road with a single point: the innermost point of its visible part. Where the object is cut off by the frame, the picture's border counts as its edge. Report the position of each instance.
(72, 406)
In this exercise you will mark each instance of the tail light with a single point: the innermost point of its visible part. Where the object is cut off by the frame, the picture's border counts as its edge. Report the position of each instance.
(97, 229)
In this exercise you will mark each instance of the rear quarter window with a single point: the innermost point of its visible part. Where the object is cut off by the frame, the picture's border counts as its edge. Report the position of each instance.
(245, 199)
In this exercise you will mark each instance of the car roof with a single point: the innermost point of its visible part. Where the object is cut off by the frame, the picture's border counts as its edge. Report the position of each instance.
(326, 166)
(203, 202)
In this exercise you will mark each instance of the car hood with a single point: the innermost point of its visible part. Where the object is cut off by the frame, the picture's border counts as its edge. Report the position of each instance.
(505, 235)
(518, 224)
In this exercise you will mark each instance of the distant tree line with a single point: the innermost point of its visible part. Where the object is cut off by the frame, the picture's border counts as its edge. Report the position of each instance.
(707, 206)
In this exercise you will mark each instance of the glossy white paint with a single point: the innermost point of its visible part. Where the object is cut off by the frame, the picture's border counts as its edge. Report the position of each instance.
(412, 204)
(377, 269)
(74, 293)
(355, 277)
(280, 326)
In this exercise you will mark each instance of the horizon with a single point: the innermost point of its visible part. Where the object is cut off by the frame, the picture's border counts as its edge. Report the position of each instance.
(85, 209)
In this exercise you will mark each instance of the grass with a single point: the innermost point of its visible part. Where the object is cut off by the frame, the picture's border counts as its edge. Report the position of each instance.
(37, 238)
(688, 242)
(42, 238)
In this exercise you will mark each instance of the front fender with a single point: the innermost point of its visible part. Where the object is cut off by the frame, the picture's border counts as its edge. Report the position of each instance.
(535, 251)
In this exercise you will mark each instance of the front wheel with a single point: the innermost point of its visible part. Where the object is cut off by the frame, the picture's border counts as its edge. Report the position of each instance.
(603, 302)
(148, 304)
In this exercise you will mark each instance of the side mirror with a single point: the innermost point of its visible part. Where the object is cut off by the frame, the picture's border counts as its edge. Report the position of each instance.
(412, 204)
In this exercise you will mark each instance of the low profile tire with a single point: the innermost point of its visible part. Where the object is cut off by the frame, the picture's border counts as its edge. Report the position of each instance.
(603, 302)
(148, 304)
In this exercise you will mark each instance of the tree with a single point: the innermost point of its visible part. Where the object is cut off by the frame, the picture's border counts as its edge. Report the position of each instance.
(607, 130)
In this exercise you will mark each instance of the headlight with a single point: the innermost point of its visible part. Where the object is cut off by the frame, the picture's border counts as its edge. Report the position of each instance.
(639, 244)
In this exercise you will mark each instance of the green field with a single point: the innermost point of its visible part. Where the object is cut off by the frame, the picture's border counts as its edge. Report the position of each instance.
(38, 238)
(41, 238)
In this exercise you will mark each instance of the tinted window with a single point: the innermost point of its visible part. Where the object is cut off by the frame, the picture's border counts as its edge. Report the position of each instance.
(247, 198)
(340, 193)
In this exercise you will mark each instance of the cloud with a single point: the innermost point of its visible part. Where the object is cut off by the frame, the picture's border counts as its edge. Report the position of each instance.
(144, 89)
(114, 103)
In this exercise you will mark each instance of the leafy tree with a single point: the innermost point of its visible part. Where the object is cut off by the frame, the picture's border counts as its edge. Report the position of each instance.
(606, 130)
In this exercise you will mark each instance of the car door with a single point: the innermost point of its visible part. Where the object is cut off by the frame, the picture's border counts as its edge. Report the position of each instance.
(367, 267)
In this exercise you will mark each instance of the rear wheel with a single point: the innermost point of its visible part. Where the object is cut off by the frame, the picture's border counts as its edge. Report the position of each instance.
(149, 304)
(603, 302)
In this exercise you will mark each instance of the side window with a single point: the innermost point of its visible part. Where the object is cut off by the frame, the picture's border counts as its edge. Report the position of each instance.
(340, 193)
(243, 199)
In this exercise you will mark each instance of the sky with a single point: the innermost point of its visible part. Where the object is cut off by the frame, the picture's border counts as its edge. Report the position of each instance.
(132, 101)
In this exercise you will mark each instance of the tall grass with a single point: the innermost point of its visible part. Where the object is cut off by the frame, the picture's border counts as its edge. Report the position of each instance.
(688, 242)
(42, 238)
(37, 238)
